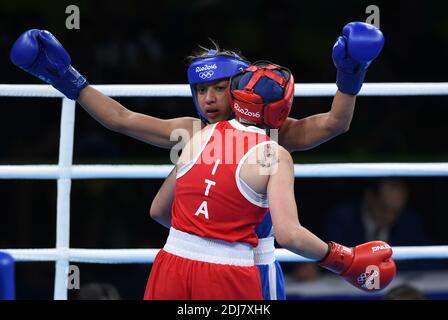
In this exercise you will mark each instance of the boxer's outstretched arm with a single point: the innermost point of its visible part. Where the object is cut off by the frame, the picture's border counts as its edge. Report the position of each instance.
(307, 133)
(39, 53)
(116, 117)
(353, 52)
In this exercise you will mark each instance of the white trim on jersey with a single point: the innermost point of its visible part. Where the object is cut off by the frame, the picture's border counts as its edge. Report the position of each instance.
(241, 127)
(261, 199)
(186, 167)
(258, 199)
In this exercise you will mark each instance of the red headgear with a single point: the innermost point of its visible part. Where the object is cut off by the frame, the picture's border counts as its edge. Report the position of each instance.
(262, 94)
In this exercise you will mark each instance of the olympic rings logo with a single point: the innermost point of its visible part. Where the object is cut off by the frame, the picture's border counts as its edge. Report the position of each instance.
(206, 74)
(362, 278)
(370, 278)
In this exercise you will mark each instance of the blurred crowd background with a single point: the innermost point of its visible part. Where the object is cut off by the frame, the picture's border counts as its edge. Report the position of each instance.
(145, 42)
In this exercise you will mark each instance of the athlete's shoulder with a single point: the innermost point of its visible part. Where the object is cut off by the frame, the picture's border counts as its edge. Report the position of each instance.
(275, 154)
(284, 155)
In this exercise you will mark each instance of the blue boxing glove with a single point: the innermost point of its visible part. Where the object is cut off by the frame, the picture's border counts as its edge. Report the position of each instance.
(353, 52)
(40, 53)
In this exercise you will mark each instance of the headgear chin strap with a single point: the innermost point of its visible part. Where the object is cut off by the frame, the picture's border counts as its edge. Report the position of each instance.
(262, 94)
(211, 68)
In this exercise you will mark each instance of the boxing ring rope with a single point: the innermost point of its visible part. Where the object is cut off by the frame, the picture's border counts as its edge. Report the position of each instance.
(136, 256)
(183, 90)
(322, 170)
(65, 172)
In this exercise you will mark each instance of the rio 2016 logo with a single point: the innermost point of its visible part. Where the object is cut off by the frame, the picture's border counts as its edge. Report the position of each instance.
(246, 111)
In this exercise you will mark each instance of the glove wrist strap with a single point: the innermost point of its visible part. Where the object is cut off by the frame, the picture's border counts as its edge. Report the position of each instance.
(350, 83)
(338, 259)
(71, 83)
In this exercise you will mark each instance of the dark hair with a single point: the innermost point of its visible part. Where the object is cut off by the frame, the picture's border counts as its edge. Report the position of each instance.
(202, 51)
(404, 292)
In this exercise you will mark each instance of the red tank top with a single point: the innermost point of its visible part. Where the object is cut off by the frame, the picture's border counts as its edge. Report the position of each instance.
(209, 199)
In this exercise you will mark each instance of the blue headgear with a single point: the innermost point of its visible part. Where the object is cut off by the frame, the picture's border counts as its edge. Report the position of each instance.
(213, 67)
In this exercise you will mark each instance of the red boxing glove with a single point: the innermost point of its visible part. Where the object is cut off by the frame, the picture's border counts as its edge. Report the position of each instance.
(368, 266)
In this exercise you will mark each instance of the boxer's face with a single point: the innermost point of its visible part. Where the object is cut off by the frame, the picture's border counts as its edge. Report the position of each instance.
(213, 100)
